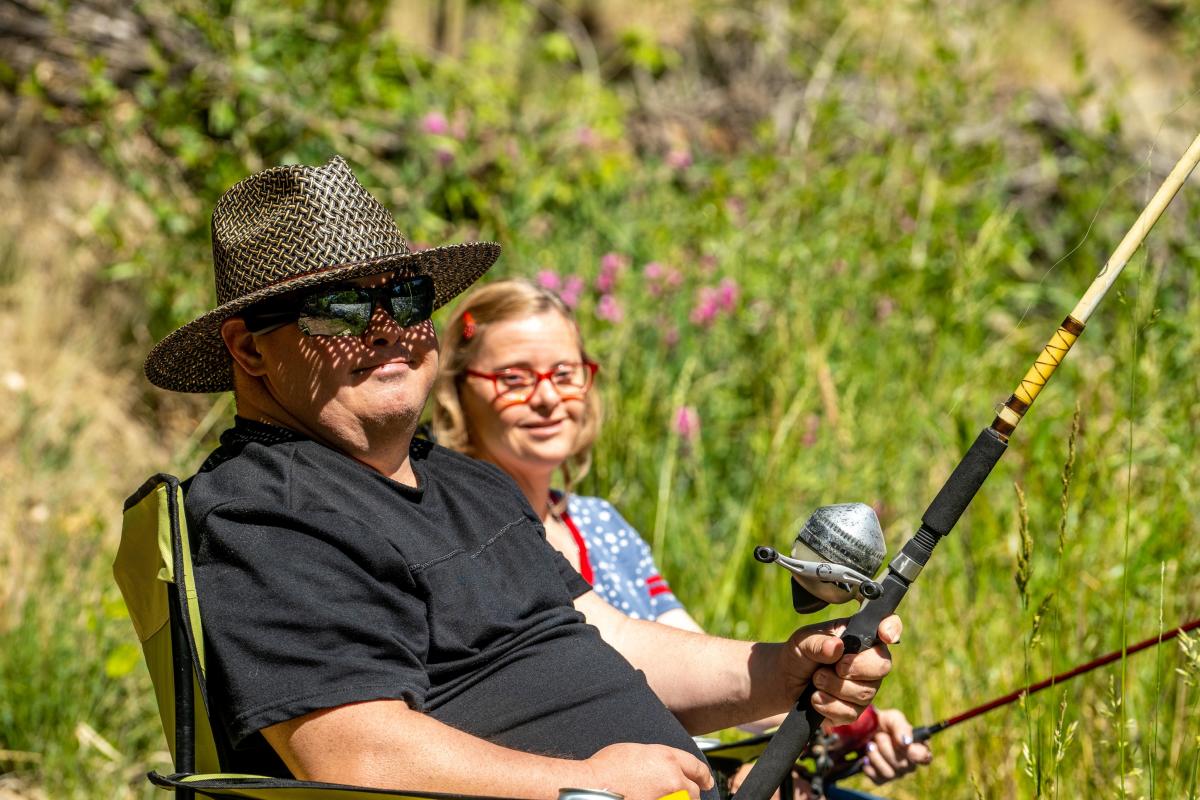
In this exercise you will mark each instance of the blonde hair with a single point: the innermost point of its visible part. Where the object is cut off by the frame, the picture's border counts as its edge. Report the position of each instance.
(501, 301)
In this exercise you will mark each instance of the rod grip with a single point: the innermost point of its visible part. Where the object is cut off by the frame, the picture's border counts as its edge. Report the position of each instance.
(787, 744)
(962, 485)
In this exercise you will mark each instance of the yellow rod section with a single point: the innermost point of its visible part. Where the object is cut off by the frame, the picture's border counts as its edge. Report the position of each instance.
(1010, 414)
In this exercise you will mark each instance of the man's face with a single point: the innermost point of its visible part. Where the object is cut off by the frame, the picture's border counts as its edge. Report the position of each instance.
(351, 389)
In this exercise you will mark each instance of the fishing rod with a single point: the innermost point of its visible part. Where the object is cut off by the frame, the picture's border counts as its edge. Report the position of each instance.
(924, 732)
(845, 750)
(803, 722)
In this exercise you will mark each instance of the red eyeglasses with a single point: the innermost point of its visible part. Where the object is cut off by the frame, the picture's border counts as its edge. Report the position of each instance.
(516, 385)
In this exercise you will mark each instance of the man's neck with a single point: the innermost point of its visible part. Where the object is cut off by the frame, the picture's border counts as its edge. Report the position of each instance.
(384, 449)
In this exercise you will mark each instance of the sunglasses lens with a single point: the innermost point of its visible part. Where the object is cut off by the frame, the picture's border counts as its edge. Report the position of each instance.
(411, 300)
(346, 312)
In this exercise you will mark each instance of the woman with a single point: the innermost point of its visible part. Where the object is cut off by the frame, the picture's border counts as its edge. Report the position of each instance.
(515, 389)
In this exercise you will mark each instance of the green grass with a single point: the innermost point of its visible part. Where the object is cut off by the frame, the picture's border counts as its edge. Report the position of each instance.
(894, 282)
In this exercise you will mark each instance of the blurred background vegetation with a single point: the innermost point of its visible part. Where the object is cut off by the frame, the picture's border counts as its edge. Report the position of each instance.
(811, 243)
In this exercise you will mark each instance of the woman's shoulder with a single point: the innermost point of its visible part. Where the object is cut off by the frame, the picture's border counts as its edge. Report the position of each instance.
(584, 505)
(598, 515)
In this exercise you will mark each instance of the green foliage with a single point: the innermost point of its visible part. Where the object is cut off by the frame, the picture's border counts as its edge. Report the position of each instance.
(782, 323)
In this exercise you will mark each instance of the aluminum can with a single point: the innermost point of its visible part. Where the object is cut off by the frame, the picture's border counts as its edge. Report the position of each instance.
(588, 794)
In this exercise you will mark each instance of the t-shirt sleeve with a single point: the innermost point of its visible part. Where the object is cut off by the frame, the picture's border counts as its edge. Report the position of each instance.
(576, 585)
(333, 623)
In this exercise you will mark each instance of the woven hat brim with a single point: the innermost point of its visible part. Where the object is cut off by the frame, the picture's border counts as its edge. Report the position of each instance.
(194, 358)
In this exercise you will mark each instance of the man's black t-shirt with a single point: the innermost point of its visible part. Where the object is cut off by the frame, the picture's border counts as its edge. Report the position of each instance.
(322, 583)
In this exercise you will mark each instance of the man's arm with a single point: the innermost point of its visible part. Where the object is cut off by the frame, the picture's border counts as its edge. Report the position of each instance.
(711, 683)
(385, 744)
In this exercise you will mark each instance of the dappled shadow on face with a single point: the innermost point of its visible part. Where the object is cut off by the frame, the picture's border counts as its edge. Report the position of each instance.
(313, 370)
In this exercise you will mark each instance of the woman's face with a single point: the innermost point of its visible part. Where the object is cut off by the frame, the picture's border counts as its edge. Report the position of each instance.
(535, 437)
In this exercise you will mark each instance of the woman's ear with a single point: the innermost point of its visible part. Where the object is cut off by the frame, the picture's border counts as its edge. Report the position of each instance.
(242, 346)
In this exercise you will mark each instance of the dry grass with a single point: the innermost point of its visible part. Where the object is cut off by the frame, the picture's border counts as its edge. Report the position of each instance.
(72, 446)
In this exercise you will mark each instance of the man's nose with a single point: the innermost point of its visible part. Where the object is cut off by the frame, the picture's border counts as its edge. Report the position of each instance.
(383, 330)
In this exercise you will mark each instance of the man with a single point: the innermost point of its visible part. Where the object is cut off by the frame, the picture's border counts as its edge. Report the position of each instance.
(383, 612)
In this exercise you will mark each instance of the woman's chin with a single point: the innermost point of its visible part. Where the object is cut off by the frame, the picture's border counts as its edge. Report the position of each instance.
(546, 454)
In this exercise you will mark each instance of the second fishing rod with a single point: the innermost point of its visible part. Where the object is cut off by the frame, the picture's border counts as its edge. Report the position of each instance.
(803, 722)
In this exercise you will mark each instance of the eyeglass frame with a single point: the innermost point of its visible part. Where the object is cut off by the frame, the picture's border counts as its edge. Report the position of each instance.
(291, 309)
(591, 366)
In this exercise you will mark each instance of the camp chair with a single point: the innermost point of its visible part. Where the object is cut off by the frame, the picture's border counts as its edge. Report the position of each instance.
(153, 568)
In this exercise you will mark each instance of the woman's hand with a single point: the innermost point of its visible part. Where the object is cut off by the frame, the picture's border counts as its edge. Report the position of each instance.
(891, 753)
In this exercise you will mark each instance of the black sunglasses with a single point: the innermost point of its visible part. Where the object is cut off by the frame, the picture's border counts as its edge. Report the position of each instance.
(347, 310)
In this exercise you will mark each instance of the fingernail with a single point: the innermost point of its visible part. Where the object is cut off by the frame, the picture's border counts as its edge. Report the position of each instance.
(870, 747)
(906, 739)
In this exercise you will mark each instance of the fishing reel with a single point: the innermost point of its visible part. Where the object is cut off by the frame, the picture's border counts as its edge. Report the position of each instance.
(834, 558)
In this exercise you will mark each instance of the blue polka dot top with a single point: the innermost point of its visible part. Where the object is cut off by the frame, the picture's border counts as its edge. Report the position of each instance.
(621, 567)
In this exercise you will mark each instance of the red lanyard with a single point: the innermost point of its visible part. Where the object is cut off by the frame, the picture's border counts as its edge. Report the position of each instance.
(585, 564)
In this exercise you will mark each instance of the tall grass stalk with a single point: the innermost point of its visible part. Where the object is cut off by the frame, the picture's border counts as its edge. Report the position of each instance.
(1062, 738)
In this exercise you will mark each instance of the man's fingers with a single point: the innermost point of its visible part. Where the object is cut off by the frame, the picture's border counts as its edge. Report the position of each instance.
(820, 647)
(695, 770)
(837, 711)
(869, 665)
(890, 629)
(856, 692)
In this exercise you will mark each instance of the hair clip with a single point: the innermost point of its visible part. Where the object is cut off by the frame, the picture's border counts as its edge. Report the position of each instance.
(468, 323)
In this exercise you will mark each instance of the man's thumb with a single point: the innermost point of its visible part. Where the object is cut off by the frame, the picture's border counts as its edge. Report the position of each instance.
(820, 647)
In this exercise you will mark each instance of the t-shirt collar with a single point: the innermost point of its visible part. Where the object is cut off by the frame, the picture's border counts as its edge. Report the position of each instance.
(248, 431)
(245, 431)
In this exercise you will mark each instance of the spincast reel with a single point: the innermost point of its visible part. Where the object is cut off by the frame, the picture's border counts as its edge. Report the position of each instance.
(834, 558)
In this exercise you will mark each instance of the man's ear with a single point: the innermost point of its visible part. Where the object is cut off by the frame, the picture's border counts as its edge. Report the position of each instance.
(242, 346)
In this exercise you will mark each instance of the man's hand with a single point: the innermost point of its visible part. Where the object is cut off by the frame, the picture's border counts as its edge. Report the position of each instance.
(892, 753)
(845, 683)
(647, 771)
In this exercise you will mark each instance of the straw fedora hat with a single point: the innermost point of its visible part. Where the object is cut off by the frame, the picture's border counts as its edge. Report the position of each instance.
(290, 228)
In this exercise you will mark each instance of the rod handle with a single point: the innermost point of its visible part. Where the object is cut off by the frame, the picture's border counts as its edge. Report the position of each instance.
(787, 744)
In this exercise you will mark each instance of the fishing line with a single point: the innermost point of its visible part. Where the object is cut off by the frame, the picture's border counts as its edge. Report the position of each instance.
(1145, 169)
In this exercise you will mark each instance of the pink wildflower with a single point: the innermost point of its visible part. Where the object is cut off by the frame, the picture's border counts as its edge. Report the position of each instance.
(679, 158)
(548, 279)
(609, 308)
(671, 336)
(444, 156)
(611, 265)
(674, 277)
(727, 294)
(885, 306)
(612, 262)
(435, 123)
(706, 309)
(571, 290)
(735, 207)
(653, 271)
(812, 426)
(586, 137)
(687, 423)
